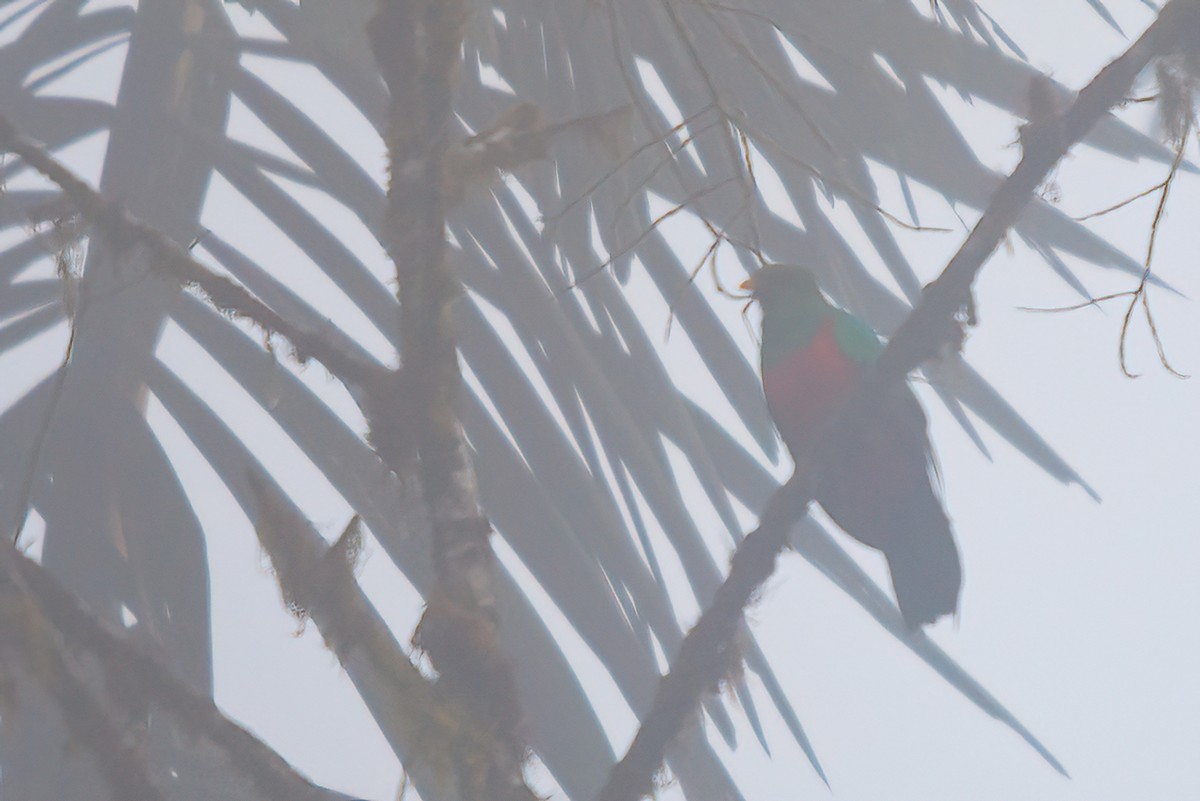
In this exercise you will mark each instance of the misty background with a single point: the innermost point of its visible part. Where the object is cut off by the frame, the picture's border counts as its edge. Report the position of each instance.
(615, 423)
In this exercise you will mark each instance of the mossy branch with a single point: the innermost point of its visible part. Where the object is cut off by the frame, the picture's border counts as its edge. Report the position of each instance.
(31, 641)
(446, 748)
(110, 220)
(145, 676)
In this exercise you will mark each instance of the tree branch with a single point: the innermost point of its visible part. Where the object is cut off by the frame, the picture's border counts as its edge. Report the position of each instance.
(418, 45)
(140, 672)
(112, 221)
(473, 739)
(706, 653)
(709, 652)
(440, 740)
(40, 648)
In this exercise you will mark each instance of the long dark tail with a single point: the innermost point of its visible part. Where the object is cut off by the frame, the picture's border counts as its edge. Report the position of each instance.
(927, 574)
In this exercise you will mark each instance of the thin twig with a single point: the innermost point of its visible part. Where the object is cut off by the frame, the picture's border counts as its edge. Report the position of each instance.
(746, 157)
(1137, 293)
(1078, 306)
(686, 38)
(659, 140)
(1142, 291)
(784, 93)
(668, 160)
(845, 189)
(1122, 204)
(710, 258)
(25, 493)
(657, 221)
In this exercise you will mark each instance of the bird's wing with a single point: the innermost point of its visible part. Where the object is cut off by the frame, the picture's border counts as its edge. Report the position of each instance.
(904, 415)
(856, 339)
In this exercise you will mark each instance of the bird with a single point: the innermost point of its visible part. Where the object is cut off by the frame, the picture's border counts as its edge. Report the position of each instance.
(883, 489)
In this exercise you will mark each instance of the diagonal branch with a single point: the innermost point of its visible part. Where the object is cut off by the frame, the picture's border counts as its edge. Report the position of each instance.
(114, 222)
(1044, 145)
(40, 648)
(707, 653)
(194, 712)
(441, 743)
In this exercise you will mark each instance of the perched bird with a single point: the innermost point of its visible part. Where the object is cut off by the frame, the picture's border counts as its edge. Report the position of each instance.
(881, 490)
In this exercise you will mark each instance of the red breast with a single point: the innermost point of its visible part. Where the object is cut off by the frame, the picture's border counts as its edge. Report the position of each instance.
(805, 387)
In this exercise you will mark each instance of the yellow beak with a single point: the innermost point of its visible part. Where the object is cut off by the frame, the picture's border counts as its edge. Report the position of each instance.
(747, 285)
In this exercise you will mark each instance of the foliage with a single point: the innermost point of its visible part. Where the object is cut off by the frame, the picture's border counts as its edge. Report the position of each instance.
(607, 120)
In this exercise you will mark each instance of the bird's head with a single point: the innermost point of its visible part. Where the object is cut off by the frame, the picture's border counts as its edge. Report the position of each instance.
(782, 285)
